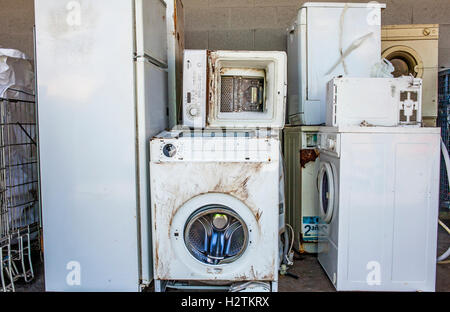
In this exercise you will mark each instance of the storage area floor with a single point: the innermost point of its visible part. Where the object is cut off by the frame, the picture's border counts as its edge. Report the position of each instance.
(311, 276)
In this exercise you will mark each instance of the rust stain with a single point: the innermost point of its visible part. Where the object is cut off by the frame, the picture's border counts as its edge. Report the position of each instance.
(258, 216)
(244, 183)
(175, 17)
(218, 186)
(241, 278)
(157, 255)
(236, 186)
(210, 74)
(270, 276)
(308, 155)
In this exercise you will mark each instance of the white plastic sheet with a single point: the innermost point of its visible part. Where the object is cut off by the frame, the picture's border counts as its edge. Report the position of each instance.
(16, 73)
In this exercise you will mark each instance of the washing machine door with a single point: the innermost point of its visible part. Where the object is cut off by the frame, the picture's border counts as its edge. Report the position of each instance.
(326, 183)
(215, 234)
(406, 61)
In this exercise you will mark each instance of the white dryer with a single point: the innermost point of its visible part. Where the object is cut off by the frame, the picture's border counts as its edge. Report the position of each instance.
(215, 199)
(378, 202)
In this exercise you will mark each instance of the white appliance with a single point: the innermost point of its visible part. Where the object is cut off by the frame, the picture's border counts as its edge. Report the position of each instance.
(413, 50)
(302, 201)
(375, 101)
(378, 202)
(195, 88)
(102, 94)
(215, 207)
(328, 40)
(234, 89)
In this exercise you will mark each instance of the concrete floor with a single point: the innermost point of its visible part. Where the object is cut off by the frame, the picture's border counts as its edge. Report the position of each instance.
(311, 276)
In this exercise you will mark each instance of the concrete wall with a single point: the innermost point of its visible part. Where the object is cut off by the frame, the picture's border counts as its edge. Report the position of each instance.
(238, 24)
(261, 24)
(16, 25)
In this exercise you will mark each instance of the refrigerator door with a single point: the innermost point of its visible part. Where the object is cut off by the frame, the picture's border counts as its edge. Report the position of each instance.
(151, 30)
(87, 127)
(151, 120)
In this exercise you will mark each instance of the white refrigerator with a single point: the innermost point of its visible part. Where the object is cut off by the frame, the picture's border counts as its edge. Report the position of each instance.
(102, 94)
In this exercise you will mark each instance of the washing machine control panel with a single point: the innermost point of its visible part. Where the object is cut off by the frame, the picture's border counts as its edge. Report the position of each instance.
(215, 149)
(329, 143)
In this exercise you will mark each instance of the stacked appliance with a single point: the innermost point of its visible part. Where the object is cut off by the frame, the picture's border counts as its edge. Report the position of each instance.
(102, 94)
(302, 160)
(217, 211)
(378, 184)
(326, 40)
(413, 50)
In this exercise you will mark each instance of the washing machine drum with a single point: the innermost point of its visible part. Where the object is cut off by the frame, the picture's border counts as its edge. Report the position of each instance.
(216, 235)
(406, 61)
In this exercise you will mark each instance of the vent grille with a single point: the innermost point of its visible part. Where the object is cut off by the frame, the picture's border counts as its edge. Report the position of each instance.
(242, 94)
(226, 104)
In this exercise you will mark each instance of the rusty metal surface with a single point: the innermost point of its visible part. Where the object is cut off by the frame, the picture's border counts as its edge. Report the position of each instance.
(308, 155)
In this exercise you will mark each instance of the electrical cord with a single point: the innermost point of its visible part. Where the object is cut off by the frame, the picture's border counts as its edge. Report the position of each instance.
(445, 255)
(291, 245)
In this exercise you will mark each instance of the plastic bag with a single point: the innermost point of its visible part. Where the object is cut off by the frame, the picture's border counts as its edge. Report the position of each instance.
(382, 69)
(16, 71)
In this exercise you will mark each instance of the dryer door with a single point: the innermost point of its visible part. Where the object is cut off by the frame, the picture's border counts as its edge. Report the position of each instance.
(406, 61)
(326, 183)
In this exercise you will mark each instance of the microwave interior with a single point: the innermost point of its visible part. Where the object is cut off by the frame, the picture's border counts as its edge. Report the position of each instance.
(242, 90)
(245, 89)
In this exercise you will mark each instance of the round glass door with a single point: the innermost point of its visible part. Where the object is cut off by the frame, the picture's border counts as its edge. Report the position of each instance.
(405, 60)
(215, 235)
(326, 192)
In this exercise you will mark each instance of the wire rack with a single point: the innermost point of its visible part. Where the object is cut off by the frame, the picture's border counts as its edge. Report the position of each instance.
(19, 188)
(444, 122)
